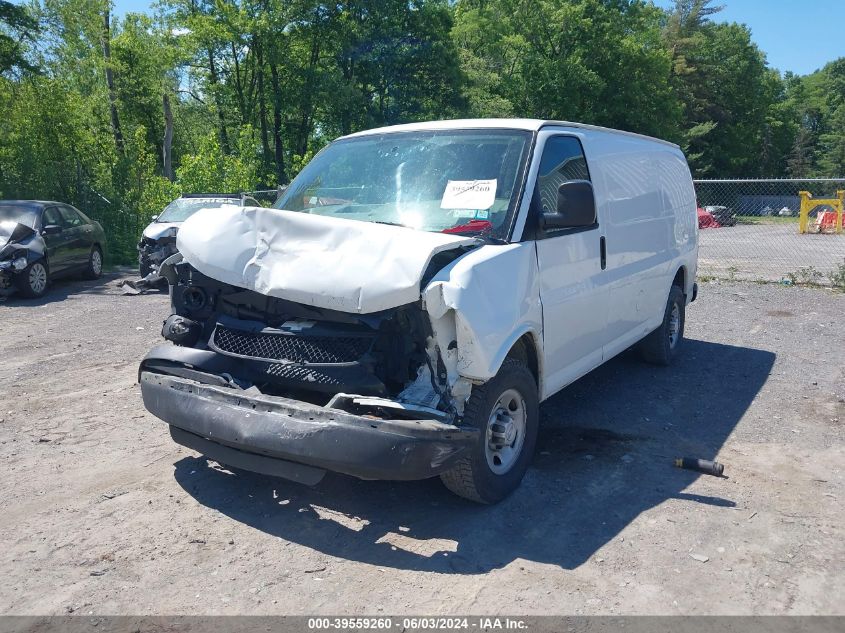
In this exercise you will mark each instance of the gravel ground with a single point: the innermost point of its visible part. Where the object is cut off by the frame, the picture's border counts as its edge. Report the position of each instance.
(768, 251)
(102, 513)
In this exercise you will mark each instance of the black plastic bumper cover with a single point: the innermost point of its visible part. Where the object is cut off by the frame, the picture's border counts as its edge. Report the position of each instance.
(302, 433)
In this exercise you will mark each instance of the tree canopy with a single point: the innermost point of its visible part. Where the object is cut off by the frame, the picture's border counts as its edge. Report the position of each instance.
(118, 115)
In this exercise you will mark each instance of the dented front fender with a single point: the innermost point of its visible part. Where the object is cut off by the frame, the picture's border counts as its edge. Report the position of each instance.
(481, 304)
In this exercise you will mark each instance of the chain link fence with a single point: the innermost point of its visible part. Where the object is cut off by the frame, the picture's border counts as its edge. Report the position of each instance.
(752, 230)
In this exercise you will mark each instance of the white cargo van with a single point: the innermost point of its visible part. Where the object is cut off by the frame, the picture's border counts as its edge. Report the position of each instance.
(415, 295)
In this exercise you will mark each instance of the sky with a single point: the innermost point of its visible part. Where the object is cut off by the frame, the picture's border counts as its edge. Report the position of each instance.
(797, 35)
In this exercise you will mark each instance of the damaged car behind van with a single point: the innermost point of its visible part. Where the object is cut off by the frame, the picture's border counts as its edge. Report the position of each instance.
(158, 240)
(416, 293)
(43, 240)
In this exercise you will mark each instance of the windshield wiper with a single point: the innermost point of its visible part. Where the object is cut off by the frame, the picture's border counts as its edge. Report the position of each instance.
(389, 223)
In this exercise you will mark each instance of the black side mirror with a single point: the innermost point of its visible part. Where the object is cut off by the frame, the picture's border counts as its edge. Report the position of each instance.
(51, 229)
(576, 206)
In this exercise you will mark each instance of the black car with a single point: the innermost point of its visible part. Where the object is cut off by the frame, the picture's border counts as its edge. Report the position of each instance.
(42, 240)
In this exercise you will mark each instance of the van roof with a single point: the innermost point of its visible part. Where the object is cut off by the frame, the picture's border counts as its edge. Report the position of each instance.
(531, 125)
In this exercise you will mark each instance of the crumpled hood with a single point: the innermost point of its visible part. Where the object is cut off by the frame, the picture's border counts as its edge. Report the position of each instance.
(332, 263)
(157, 230)
(12, 232)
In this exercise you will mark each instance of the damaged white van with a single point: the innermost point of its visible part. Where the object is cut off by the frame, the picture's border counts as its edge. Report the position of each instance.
(416, 293)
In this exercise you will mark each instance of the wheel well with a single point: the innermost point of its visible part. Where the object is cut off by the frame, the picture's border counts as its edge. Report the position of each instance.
(525, 350)
(680, 279)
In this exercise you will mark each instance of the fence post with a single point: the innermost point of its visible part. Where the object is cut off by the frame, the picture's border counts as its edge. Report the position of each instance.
(804, 213)
(839, 210)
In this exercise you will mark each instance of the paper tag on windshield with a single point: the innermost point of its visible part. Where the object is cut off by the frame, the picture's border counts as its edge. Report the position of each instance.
(469, 194)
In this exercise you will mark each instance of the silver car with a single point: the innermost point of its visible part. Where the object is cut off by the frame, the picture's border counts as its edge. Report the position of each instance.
(158, 241)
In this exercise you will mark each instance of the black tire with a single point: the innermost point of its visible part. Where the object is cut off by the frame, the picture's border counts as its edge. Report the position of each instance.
(472, 477)
(26, 280)
(659, 347)
(94, 269)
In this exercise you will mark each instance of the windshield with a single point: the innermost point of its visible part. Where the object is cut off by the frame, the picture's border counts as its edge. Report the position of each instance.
(183, 208)
(464, 181)
(28, 216)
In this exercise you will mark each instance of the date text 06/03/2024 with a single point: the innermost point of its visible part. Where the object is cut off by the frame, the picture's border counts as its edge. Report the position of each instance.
(416, 623)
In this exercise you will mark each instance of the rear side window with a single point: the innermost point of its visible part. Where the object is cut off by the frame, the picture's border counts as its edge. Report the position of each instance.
(70, 217)
(563, 160)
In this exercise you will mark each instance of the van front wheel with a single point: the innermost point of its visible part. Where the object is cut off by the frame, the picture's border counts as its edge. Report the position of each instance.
(661, 346)
(506, 411)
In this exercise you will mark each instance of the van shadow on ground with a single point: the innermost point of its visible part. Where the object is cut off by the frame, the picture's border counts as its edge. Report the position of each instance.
(604, 456)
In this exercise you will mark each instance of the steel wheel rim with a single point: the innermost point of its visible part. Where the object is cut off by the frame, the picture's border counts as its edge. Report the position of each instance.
(674, 325)
(37, 278)
(96, 262)
(505, 432)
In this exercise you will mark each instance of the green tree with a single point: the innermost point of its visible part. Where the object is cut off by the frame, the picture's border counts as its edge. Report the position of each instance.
(210, 170)
(17, 32)
(600, 61)
(730, 119)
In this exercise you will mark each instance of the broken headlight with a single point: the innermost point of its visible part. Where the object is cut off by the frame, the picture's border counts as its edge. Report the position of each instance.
(17, 264)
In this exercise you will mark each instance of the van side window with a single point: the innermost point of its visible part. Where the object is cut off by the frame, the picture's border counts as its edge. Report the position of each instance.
(563, 160)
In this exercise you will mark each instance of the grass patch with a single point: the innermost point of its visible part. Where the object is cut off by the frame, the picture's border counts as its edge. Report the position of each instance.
(766, 219)
(837, 276)
(805, 276)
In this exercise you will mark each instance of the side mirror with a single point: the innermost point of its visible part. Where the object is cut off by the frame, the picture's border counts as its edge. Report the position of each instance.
(51, 229)
(154, 218)
(576, 206)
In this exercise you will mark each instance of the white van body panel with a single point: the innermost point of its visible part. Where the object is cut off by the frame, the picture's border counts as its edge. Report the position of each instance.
(573, 293)
(645, 203)
(485, 301)
(577, 312)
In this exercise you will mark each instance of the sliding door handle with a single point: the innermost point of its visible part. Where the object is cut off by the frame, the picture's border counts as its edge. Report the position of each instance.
(603, 252)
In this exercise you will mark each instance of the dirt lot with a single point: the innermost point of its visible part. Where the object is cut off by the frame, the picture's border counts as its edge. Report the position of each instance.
(101, 513)
(767, 251)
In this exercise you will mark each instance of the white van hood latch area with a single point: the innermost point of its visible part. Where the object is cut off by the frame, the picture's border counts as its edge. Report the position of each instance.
(326, 262)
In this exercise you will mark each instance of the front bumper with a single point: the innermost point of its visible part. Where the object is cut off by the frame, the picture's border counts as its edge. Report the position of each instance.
(154, 252)
(8, 270)
(298, 440)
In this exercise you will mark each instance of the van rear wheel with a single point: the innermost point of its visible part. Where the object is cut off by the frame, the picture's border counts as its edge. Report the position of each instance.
(506, 412)
(661, 346)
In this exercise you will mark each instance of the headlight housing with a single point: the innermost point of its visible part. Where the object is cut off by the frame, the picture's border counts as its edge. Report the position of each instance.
(16, 264)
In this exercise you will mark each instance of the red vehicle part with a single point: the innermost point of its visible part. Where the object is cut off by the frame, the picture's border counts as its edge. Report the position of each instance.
(473, 226)
(827, 221)
(706, 220)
